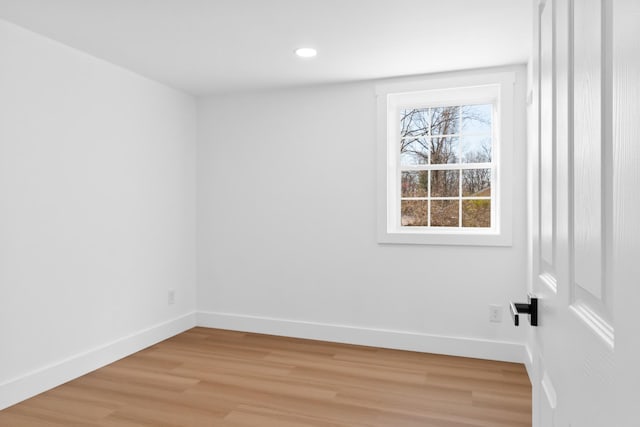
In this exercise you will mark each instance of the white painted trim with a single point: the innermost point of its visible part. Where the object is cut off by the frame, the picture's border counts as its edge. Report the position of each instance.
(452, 86)
(385, 338)
(528, 362)
(594, 322)
(549, 391)
(447, 80)
(60, 372)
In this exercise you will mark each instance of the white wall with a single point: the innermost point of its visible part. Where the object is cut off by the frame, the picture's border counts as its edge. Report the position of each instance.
(287, 242)
(97, 212)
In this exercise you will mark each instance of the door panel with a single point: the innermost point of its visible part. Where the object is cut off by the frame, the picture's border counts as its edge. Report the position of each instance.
(547, 146)
(573, 345)
(587, 120)
(591, 142)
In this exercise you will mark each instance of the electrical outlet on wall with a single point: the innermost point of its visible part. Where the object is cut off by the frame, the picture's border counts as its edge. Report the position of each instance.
(171, 297)
(495, 313)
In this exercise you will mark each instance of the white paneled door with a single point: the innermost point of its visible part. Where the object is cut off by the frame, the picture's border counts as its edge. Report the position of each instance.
(578, 200)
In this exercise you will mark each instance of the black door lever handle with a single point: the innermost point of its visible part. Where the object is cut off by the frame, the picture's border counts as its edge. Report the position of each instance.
(530, 308)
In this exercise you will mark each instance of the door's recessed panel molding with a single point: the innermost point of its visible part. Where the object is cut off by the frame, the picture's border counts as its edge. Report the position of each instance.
(550, 281)
(594, 322)
(549, 391)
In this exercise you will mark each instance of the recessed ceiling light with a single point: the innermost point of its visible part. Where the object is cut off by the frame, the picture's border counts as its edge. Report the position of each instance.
(306, 52)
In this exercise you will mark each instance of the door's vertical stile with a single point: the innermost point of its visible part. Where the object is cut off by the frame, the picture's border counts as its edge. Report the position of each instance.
(533, 112)
(625, 181)
(545, 283)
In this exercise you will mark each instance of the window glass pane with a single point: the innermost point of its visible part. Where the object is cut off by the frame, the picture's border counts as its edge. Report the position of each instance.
(445, 183)
(476, 119)
(443, 150)
(414, 151)
(414, 122)
(444, 213)
(475, 149)
(445, 120)
(476, 182)
(415, 183)
(476, 213)
(414, 212)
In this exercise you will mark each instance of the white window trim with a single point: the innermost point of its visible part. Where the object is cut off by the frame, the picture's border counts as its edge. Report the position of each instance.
(452, 90)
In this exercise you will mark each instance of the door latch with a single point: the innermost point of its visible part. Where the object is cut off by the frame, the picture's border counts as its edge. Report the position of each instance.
(530, 308)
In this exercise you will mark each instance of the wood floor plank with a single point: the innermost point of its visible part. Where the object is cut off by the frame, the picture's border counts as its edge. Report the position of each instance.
(212, 377)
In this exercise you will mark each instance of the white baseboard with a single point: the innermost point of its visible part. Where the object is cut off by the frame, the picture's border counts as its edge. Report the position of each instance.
(400, 340)
(47, 377)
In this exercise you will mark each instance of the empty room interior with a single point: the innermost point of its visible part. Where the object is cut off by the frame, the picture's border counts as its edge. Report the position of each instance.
(319, 213)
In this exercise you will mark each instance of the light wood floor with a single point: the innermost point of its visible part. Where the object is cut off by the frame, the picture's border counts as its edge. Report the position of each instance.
(211, 377)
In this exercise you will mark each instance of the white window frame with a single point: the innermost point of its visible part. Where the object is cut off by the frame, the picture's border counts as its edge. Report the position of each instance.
(462, 89)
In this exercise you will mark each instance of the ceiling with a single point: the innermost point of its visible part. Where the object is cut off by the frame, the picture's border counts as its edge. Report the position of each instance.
(218, 46)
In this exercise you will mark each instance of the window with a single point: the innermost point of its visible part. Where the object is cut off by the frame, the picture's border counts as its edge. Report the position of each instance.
(444, 155)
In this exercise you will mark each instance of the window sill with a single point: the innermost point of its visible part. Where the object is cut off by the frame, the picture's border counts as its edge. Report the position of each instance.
(445, 237)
